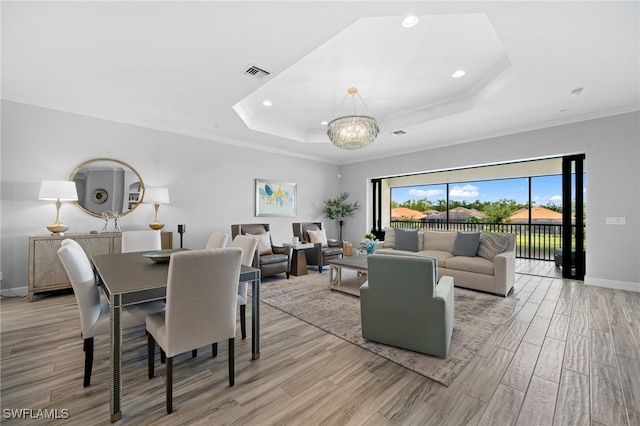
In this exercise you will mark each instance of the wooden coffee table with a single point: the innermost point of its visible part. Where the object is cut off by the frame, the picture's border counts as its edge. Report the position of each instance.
(349, 285)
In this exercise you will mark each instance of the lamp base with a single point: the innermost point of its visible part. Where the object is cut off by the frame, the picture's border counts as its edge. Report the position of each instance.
(58, 229)
(156, 226)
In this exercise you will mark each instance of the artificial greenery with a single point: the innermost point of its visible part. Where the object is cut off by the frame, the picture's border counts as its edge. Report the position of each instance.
(369, 236)
(338, 208)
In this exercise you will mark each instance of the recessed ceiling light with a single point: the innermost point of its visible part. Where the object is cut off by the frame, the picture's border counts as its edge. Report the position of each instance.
(324, 123)
(267, 103)
(458, 74)
(410, 21)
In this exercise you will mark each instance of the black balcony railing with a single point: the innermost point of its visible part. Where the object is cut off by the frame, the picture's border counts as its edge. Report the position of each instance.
(536, 241)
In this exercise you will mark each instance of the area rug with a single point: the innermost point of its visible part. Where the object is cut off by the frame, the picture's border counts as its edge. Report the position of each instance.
(477, 316)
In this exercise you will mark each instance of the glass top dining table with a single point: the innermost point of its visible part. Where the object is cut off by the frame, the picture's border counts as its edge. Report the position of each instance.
(131, 278)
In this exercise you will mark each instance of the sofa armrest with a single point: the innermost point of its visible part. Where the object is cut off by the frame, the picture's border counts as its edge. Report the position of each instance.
(504, 271)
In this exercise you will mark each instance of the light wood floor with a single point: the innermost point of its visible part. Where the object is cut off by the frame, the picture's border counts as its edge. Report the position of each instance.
(568, 356)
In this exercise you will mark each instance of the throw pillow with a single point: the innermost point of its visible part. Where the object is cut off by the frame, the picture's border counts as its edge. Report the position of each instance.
(318, 237)
(466, 244)
(264, 243)
(492, 244)
(406, 240)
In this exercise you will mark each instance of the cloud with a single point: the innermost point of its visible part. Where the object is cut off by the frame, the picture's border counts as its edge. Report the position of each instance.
(465, 191)
(556, 198)
(425, 193)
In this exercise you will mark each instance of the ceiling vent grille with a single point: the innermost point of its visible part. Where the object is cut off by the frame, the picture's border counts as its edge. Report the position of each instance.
(256, 72)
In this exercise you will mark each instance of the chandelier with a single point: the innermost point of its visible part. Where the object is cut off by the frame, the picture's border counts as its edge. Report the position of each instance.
(353, 131)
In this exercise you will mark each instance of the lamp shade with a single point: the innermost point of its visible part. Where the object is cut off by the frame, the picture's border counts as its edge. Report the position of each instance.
(156, 195)
(63, 190)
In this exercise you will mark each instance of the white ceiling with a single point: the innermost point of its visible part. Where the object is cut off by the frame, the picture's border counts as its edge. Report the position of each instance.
(179, 67)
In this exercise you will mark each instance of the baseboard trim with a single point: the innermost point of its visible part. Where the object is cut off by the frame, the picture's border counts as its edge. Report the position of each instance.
(618, 285)
(14, 292)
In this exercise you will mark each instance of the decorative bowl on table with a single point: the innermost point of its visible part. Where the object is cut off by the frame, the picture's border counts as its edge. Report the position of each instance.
(161, 256)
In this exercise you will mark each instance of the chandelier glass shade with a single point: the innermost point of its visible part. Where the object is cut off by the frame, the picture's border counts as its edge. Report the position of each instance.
(353, 131)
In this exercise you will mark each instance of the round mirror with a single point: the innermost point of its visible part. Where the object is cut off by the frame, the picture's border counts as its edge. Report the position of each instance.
(105, 184)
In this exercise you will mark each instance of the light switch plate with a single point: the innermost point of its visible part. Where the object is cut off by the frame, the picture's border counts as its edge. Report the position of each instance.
(616, 220)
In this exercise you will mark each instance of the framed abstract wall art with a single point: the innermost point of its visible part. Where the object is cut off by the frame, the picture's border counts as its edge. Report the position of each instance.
(275, 198)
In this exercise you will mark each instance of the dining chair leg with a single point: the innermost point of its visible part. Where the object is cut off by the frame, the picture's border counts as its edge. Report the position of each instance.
(163, 356)
(232, 370)
(169, 385)
(214, 350)
(88, 360)
(151, 349)
(194, 353)
(243, 321)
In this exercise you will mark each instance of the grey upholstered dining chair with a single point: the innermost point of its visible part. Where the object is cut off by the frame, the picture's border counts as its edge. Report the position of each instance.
(248, 244)
(133, 241)
(217, 240)
(202, 291)
(94, 312)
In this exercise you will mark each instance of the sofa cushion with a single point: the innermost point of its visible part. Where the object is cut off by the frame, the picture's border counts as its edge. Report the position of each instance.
(389, 238)
(475, 264)
(406, 240)
(492, 244)
(435, 240)
(439, 255)
(318, 236)
(466, 244)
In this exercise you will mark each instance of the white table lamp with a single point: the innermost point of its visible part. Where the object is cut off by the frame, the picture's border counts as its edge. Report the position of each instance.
(58, 191)
(156, 196)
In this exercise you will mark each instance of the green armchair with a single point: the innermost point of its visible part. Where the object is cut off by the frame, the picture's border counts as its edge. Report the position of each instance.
(401, 305)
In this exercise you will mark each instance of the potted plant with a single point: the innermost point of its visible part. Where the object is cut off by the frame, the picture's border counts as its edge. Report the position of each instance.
(369, 242)
(338, 208)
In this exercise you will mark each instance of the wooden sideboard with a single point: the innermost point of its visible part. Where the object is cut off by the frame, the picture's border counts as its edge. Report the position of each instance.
(46, 271)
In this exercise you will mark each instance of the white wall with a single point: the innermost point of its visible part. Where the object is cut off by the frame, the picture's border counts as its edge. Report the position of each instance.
(211, 185)
(612, 163)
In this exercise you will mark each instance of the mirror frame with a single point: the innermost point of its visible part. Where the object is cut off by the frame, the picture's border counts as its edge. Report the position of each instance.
(122, 163)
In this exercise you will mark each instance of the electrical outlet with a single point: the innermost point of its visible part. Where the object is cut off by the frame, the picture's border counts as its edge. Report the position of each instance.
(0, 275)
(616, 220)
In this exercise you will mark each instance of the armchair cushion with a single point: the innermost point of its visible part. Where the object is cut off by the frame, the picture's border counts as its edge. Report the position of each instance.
(318, 237)
(264, 243)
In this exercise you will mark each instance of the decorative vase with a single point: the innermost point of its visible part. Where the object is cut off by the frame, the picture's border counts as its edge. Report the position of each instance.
(370, 245)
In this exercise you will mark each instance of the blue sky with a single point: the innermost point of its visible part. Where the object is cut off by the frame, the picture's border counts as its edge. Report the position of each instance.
(544, 189)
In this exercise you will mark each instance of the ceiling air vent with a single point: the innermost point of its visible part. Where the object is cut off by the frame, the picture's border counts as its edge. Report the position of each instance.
(398, 133)
(256, 73)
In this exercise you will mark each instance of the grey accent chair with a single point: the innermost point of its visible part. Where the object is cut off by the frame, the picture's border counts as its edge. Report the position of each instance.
(94, 309)
(403, 305)
(133, 241)
(248, 244)
(319, 255)
(270, 259)
(217, 240)
(202, 290)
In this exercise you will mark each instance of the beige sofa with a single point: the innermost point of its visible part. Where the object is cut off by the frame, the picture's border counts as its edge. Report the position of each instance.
(490, 267)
